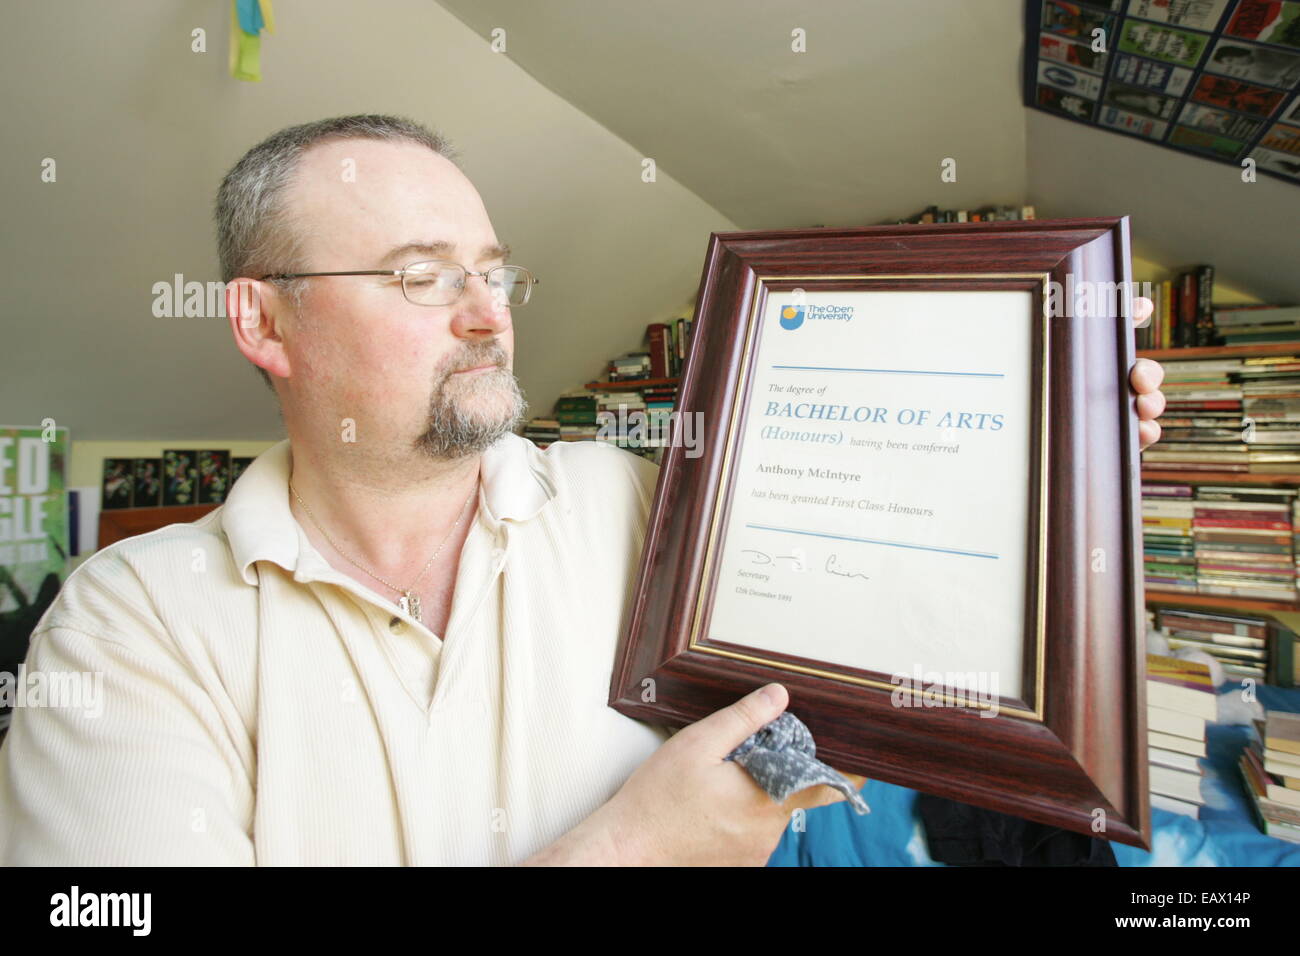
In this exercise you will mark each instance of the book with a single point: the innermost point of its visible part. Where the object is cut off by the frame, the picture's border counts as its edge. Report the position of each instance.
(1181, 745)
(1188, 308)
(1158, 756)
(1275, 761)
(1273, 818)
(1160, 802)
(658, 335)
(1255, 315)
(1178, 784)
(1205, 332)
(1282, 732)
(1266, 785)
(1181, 685)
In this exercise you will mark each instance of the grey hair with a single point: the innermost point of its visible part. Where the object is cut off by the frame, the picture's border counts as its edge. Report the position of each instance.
(257, 233)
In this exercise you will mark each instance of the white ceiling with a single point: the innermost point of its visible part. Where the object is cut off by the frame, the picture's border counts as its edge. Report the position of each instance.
(852, 131)
(142, 131)
(1184, 210)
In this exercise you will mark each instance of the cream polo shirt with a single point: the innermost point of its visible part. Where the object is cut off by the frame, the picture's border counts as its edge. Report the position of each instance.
(260, 707)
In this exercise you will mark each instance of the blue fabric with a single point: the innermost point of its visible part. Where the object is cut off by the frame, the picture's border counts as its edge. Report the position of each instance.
(1225, 835)
(250, 16)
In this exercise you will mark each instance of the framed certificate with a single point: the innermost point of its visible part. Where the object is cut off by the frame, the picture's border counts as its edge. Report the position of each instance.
(912, 497)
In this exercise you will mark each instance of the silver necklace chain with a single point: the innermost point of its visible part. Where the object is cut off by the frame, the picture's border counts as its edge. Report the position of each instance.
(409, 601)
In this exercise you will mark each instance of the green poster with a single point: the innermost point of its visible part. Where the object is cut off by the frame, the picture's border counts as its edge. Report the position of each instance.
(1163, 43)
(33, 535)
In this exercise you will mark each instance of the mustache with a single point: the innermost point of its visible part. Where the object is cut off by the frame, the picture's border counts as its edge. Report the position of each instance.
(473, 357)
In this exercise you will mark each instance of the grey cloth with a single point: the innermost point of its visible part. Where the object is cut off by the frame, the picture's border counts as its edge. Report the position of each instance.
(782, 759)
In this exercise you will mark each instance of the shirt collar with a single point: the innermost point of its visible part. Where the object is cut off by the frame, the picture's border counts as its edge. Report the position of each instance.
(517, 482)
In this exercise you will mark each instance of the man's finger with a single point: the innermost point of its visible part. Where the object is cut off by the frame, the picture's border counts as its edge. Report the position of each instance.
(1148, 434)
(1150, 406)
(1146, 376)
(1142, 310)
(726, 729)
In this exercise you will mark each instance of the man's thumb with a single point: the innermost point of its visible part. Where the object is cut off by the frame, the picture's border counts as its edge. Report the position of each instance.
(726, 729)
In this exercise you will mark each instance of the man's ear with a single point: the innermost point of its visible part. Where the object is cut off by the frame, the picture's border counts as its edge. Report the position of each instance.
(255, 311)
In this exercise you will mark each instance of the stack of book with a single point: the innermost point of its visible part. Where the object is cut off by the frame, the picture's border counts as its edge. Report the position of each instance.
(1184, 314)
(1220, 539)
(625, 412)
(542, 431)
(575, 412)
(1270, 391)
(1244, 539)
(1203, 417)
(628, 418)
(983, 214)
(1238, 642)
(667, 343)
(1169, 548)
(1270, 768)
(1180, 702)
(1251, 325)
(1236, 414)
(629, 365)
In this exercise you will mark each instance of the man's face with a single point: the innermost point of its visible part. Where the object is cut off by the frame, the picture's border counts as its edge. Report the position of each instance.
(438, 379)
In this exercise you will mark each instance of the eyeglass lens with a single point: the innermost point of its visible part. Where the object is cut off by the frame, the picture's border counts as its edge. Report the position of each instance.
(441, 283)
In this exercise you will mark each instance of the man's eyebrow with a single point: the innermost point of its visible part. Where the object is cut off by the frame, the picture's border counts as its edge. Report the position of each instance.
(495, 251)
(438, 249)
(401, 255)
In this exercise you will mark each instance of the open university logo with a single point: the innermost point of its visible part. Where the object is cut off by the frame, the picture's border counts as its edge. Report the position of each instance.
(791, 316)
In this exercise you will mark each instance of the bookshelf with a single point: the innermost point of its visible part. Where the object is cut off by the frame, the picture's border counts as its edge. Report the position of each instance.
(1171, 474)
(1216, 602)
(633, 406)
(1220, 477)
(630, 384)
(1221, 351)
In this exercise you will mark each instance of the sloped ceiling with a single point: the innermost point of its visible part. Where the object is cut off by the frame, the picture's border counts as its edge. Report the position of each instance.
(1184, 209)
(852, 131)
(142, 129)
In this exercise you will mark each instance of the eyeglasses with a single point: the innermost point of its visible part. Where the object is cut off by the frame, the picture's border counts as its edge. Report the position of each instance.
(441, 282)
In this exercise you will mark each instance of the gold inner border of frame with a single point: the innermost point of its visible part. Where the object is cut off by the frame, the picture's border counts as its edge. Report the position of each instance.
(741, 384)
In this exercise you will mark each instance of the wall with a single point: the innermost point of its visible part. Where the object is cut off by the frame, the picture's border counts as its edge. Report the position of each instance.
(142, 129)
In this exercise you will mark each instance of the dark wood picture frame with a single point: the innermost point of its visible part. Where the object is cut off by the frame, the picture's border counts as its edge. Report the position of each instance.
(1071, 750)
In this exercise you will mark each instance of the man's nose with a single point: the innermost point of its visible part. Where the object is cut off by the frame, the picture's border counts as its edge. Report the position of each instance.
(481, 308)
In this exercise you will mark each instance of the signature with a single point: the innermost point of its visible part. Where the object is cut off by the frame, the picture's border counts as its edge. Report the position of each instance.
(797, 557)
(799, 562)
(832, 559)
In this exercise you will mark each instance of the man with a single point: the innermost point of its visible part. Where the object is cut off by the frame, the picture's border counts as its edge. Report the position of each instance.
(393, 643)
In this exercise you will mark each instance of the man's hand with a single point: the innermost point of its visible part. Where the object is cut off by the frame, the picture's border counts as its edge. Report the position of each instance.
(687, 805)
(1145, 379)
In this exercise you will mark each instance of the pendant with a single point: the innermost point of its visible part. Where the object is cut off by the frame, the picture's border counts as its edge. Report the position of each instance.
(409, 602)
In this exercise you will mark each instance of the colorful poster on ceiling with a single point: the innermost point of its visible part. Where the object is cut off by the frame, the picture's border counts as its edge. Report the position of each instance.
(1216, 79)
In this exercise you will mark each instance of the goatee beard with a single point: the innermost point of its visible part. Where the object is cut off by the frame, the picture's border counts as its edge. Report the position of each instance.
(451, 432)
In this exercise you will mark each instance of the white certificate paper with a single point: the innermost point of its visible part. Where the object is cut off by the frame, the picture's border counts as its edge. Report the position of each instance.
(879, 518)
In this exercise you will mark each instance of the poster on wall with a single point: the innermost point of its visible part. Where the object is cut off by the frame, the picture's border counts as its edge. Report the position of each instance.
(1219, 79)
(33, 540)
